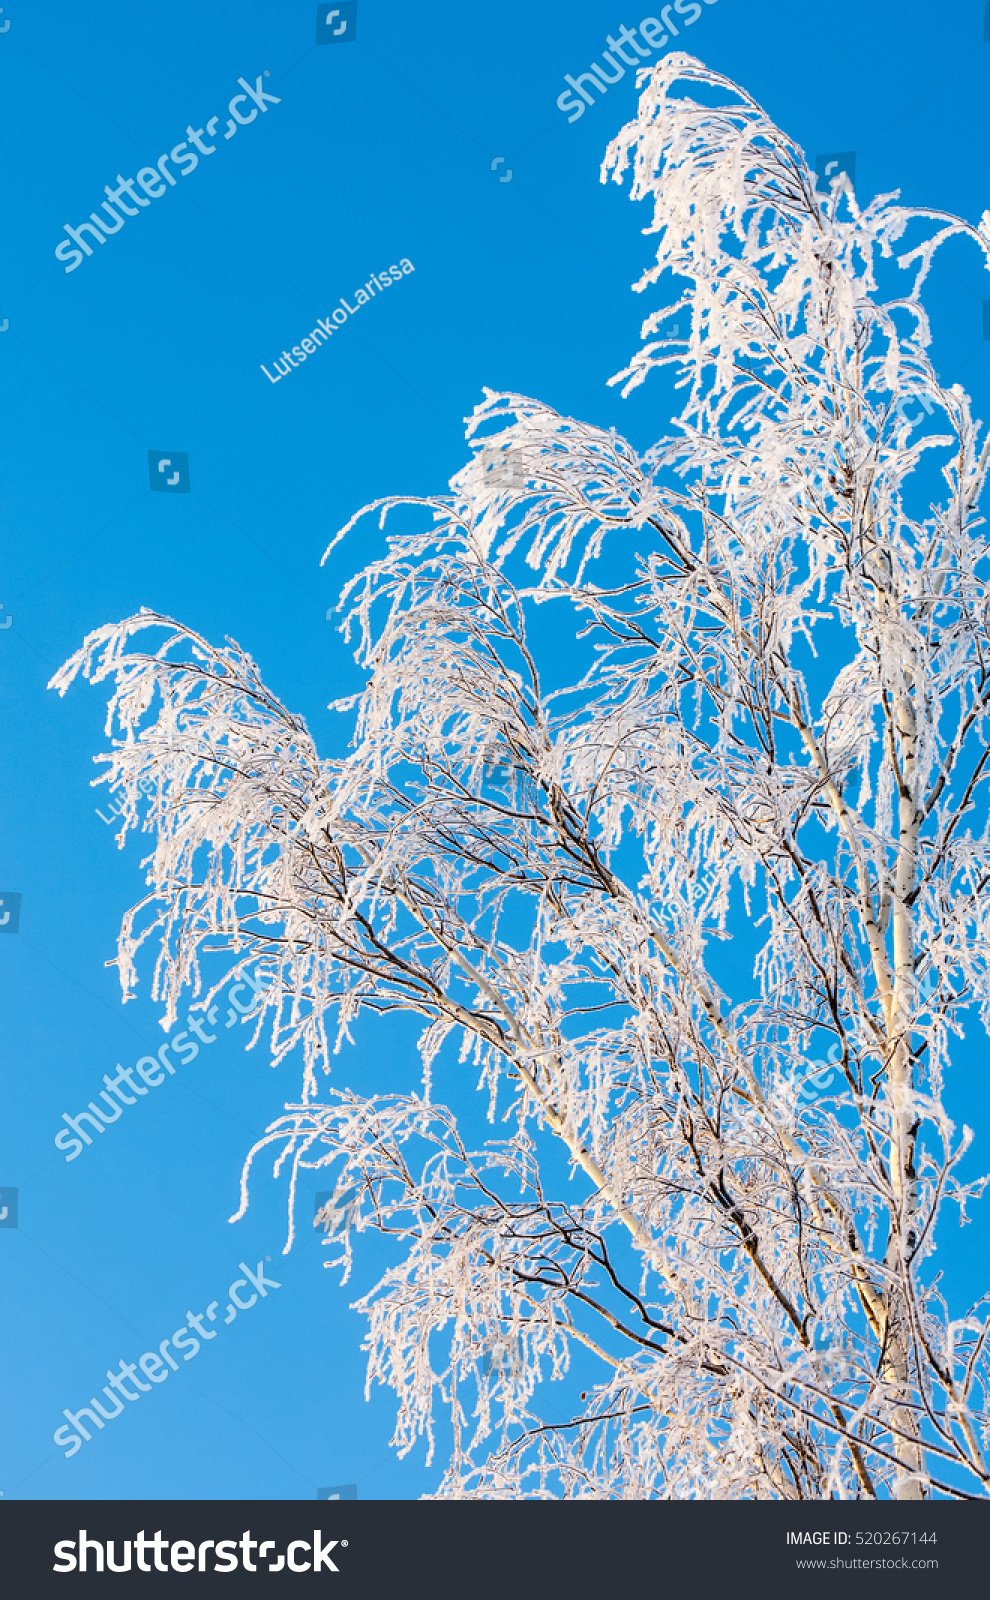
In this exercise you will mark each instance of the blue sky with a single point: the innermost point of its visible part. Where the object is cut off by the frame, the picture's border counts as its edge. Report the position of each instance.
(377, 151)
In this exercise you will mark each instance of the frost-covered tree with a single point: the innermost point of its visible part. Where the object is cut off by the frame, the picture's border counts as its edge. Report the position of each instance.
(637, 878)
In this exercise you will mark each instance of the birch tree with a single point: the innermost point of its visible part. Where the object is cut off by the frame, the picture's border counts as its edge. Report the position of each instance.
(628, 885)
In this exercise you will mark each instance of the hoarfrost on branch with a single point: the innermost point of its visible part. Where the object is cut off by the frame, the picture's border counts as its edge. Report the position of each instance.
(778, 722)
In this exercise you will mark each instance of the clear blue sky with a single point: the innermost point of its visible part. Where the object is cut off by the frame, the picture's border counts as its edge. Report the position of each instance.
(378, 150)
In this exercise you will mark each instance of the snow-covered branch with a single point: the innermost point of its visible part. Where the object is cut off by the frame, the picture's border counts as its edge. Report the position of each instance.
(636, 880)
